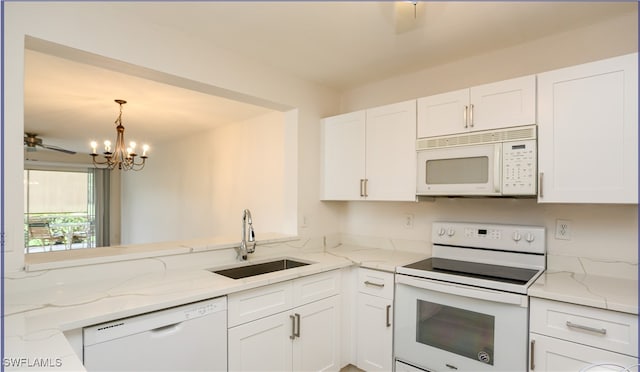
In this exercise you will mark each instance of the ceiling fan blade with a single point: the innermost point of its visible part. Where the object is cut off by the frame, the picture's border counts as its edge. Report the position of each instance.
(31, 140)
(56, 148)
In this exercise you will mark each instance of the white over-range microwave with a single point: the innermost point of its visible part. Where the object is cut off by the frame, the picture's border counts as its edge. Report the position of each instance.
(489, 163)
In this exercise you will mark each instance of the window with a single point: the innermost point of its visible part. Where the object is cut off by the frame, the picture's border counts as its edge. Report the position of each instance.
(60, 210)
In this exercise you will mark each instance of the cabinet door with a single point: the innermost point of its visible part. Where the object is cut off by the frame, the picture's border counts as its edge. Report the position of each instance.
(375, 333)
(391, 152)
(588, 132)
(552, 354)
(262, 345)
(317, 347)
(343, 156)
(442, 114)
(503, 104)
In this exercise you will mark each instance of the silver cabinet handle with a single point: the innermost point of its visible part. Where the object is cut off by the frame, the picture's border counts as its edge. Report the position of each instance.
(532, 346)
(388, 318)
(601, 331)
(366, 282)
(361, 187)
(293, 327)
(497, 172)
(464, 116)
(297, 334)
(540, 184)
(471, 115)
(366, 184)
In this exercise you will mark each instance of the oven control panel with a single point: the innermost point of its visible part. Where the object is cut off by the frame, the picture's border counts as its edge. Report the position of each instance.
(519, 238)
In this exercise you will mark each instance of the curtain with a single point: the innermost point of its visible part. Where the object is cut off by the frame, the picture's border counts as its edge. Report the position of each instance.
(99, 190)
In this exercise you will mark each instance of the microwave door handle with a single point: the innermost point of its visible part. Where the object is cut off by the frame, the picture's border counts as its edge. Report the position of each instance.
(497, 168)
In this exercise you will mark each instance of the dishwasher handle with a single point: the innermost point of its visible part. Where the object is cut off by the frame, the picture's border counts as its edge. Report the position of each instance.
(167, 330)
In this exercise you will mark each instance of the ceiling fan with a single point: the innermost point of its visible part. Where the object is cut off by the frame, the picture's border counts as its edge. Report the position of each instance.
(31, 141)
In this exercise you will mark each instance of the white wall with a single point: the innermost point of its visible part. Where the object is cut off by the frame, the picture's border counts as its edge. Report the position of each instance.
(109, 30)
(197, 187)
(610, 38)
(600, 233)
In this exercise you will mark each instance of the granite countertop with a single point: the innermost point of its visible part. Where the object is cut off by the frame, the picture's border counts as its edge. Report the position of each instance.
(36, 318)
(603, 292)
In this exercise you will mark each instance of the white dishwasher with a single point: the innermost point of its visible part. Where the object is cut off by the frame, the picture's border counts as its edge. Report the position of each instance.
(189, 337)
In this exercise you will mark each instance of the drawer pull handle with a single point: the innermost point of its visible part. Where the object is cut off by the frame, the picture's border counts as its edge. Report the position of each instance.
(374, 284)
(601, 331)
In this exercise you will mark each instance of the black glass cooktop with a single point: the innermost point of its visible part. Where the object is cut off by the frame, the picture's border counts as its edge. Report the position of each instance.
(506, 274)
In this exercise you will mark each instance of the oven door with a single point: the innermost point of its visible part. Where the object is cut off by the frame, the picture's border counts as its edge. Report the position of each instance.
(463, 170)
(442, 326)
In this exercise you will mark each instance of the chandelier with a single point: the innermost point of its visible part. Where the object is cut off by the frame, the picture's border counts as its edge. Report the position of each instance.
(121, 157)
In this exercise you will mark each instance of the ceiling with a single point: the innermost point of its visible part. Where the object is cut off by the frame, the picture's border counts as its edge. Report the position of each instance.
(340, 45)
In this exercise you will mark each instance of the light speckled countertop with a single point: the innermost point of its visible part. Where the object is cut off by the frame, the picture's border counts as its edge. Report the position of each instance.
(590, 290)
(35, 317)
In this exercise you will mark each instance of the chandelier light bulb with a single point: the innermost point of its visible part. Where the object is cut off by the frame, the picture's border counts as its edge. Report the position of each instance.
(145, 148)
(94, 147)
(107, 146)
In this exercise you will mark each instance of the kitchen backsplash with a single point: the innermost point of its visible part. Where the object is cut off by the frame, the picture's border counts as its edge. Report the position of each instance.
(603, 241)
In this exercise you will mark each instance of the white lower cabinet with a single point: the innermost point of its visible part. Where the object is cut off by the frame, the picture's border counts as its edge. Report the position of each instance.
(552, 354)
(317, 343)
(375, 320)
(569, 337)
(301, 338)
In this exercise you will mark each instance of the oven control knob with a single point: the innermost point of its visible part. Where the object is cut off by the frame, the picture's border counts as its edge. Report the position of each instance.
(530, 237)
(451, 232)
(441, 231)
(516, 236)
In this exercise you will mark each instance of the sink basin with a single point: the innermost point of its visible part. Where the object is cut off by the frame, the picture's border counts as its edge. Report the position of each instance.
(259, 268)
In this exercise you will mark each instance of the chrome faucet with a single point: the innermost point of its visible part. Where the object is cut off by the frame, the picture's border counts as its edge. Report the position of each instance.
(244, 250)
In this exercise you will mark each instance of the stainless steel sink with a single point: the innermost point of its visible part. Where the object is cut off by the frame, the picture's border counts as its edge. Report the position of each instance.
(259, 268)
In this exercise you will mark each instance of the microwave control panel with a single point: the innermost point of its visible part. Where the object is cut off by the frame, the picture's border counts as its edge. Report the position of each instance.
(519, 168)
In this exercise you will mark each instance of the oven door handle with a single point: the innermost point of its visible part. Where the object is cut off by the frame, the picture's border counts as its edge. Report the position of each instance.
(460, 290)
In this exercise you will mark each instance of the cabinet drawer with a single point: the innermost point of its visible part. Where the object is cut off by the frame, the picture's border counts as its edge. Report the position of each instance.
(551, 354)
(316, 287)
(257, 303)
(374, 282)
(609, 330)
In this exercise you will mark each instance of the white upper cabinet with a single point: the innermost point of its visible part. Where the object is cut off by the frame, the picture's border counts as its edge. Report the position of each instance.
(391, 152)
(444, 113)
(371, 154)
(502, 104)
(588, 132)
(344, 155)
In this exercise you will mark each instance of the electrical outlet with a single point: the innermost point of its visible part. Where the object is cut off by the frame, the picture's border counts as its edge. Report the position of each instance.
(563, 229)
(408, 221)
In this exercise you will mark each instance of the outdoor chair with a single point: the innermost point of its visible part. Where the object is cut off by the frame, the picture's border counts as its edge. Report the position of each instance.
(41, 231)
